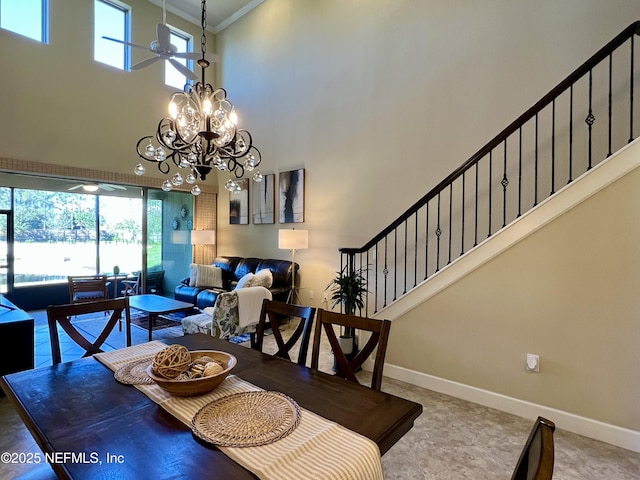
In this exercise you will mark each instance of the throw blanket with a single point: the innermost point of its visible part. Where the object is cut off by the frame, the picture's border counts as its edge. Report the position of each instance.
(315, 449)
(250, 304)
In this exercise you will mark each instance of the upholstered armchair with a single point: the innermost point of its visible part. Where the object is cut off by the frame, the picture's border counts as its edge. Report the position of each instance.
(234, 313)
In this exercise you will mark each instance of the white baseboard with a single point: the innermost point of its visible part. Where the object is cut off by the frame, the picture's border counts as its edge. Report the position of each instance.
(587, 427)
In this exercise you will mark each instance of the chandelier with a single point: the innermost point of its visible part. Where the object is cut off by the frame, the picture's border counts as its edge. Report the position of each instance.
(200, 134)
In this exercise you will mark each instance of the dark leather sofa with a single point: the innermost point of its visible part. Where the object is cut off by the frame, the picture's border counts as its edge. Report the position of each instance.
(233, 269)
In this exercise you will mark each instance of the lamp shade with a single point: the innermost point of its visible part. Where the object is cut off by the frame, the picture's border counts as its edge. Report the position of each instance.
(203, 237)
(293, 239)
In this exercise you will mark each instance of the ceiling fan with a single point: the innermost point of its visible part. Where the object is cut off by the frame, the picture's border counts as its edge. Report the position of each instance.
(94, 187)
(165, 50)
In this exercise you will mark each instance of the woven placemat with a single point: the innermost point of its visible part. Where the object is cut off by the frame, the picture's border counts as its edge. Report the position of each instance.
(247, 419)
(135, 373)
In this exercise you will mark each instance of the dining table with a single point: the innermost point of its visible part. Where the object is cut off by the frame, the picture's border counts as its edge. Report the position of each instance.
(91, 426)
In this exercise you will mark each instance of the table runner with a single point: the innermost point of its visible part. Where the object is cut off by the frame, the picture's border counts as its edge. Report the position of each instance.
(318, 448)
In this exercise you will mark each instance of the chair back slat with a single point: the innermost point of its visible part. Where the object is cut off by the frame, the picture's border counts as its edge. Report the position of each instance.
(537, 457)
(87, 287)
(62, 315)
(346, 368)
(273, 311)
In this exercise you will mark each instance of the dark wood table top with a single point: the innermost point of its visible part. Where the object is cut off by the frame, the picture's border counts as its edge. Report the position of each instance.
(78, 408)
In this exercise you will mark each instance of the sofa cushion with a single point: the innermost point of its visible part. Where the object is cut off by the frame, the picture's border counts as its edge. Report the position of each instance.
(280, 269)
(246, 265)
(209, 276)
(205, 276)
(245, 281)
(228, 266)
(193, 275)
(263, 278)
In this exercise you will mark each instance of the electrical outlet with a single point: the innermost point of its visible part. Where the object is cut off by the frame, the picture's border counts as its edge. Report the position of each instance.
(533, 363)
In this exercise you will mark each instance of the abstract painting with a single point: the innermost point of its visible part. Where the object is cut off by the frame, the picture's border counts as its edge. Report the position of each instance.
(264, 200)
(291, 206)
(239, 203)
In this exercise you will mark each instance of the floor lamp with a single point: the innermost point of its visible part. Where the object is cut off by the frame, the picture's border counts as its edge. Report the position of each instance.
(293, 240)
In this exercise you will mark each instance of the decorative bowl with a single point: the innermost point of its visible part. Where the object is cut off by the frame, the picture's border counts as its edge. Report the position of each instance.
(196, 386)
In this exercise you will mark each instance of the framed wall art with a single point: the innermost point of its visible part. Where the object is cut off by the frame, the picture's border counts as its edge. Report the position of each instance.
(264, 200)
(239, 203)
(291, 188)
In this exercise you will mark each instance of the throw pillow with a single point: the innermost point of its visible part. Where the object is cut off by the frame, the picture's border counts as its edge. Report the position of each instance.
(245, 281)
(263, 278)
(209, 276)
(193, 274)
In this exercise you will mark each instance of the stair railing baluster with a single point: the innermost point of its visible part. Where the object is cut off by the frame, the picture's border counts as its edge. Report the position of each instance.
(505, 183)
(450, 221)
(462, 210)
(490, 189)
(475, 238)
(590, 120)
(631, 79)
(609, 152)
(415, 251)
(553, 147)
(570, 134)
(438, 234)
(520, 172)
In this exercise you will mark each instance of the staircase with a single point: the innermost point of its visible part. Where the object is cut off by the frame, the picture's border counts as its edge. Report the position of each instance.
(578, 125)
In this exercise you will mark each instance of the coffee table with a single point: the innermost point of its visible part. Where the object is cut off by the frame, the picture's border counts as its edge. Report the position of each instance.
(156, 305)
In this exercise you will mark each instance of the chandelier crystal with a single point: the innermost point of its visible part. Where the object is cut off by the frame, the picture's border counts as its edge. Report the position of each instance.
(199, 134)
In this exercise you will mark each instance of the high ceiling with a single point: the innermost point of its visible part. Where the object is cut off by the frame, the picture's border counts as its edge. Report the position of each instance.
(220, 13)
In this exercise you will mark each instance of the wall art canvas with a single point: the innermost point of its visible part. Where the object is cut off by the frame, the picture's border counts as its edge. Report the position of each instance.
(239, 204)
(291, 201)
(264, 200)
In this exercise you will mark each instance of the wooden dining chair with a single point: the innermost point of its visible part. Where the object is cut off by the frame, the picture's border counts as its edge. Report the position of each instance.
(270, 314)
(85, 288)
(344, 367)
(536, 459)
(61, 315)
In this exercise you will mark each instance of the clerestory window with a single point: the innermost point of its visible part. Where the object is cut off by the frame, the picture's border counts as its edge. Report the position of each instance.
(183, 43)
(112, 19)
(29, 18)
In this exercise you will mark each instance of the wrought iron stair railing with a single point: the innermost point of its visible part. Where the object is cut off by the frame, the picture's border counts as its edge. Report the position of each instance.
(578, 124)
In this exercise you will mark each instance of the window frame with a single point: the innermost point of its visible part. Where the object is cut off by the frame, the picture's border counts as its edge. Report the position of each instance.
(126, 9)
(189, 62)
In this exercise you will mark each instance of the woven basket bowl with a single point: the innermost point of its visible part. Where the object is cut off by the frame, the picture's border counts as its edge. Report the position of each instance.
(197, 386)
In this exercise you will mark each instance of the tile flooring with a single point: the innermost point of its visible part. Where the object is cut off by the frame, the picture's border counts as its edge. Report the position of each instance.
(452, 439)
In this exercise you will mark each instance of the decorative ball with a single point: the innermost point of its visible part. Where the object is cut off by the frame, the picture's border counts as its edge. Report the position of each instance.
(171, 361)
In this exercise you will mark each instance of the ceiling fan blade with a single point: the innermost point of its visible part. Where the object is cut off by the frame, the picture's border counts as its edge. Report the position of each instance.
(163, 35)
(212, 57)
(145, 63)
(182, 69)
(126, 43)
(111, 187)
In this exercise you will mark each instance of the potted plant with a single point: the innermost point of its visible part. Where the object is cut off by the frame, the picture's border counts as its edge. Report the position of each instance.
(348, 288)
